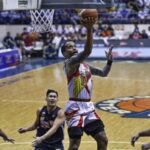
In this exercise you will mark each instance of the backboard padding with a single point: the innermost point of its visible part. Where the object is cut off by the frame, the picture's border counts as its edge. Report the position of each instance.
(75, 3)
(53, 4)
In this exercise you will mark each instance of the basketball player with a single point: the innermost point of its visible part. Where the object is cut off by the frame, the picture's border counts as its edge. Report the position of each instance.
(49, 125)
(5, 137)
(79, 111)
(144, 133)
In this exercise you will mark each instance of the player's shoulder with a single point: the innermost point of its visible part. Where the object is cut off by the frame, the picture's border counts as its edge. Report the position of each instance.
(67, 64)
(59, 108)
(41, 108)
(68, 60)
(61, 112)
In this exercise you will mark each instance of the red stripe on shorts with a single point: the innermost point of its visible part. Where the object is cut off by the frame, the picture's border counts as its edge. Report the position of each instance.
(80, 122)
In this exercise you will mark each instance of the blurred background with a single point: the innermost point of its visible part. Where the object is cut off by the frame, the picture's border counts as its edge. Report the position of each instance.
(126, 25)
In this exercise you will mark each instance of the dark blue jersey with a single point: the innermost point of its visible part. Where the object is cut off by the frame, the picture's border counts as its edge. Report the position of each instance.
(46, 120)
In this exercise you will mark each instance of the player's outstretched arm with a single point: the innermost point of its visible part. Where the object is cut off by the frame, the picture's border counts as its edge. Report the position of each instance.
(88, 23)
(104, 72)
(5, 137)
(80, 57)
(140, 134)
(57, 123)
(32, 127)
(109, 55)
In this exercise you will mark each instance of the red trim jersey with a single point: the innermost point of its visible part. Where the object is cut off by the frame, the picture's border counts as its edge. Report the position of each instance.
(80, 83)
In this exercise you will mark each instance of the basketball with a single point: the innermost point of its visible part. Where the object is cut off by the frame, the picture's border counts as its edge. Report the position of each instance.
(89, 13)
(34, 36)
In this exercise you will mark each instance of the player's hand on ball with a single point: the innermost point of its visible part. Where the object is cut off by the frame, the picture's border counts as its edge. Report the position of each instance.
(88, 17)
(88, 22)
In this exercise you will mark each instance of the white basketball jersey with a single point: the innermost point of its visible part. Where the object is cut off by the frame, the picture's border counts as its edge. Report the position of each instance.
(80, 83)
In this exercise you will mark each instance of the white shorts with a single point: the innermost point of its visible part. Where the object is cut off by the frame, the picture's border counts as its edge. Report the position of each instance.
(78, 114)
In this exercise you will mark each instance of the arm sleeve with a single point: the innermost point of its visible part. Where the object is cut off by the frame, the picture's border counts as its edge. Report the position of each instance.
(101, 72)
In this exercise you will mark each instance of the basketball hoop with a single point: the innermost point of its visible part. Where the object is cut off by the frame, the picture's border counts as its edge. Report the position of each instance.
(42, 20)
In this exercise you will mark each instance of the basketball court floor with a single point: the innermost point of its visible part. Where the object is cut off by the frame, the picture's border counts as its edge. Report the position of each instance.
(122, 97)
(22, 92)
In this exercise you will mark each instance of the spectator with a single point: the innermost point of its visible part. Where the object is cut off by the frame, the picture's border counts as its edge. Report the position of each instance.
(135, 35)
(8, 41)
(107, 32)
(110, 30)
(27, 43)
(24, 33)
(148, 31)
(123, 11)
(18, 40)
(144, 34)
(19, 44)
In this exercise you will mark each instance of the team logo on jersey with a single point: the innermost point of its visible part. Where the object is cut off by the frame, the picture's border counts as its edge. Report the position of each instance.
(132, 106)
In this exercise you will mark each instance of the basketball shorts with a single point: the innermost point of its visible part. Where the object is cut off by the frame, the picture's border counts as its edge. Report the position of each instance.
(45, 146)
(92, 129)
(81, 116)
(79, 113)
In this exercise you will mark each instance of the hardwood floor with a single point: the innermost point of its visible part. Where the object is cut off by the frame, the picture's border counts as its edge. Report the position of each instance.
(23, 94)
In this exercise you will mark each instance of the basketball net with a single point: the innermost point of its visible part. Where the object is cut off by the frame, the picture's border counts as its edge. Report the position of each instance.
(42, 20)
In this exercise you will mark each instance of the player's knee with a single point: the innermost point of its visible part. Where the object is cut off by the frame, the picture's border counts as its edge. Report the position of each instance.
(143, 147)
(74, 144)
(102, 140)
(106, 140)
(73, 147)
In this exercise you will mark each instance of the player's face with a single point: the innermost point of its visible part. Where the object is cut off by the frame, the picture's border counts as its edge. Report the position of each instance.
(70, 49)
(52, 99)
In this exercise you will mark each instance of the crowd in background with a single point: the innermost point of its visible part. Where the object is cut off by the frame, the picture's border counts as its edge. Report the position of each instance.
(127, 11)
(28, 41)
(67, 32)
(123, 11)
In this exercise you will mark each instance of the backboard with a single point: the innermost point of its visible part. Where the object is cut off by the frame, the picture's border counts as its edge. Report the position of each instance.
(53, 4)
(20, 4)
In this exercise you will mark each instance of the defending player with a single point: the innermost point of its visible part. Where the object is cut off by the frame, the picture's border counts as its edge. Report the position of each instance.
(5, 137)
(145, 133)
(49, 125)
